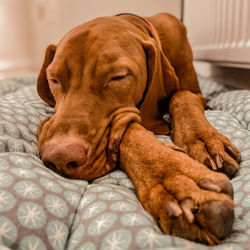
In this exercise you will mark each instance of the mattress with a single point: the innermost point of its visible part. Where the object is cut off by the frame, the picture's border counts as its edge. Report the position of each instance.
(41, 210)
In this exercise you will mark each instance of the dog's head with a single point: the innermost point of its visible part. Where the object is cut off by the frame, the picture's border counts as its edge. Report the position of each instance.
(102, 76)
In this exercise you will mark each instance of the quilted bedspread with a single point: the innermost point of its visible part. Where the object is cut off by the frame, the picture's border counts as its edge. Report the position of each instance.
(42, 210)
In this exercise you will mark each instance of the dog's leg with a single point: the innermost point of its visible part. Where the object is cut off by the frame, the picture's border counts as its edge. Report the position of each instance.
(190, 128)
(192, 131)
(184, 197)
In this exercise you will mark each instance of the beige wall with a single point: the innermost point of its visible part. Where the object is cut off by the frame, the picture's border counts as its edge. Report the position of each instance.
(15, 32)
(28, 26)
(78, 11)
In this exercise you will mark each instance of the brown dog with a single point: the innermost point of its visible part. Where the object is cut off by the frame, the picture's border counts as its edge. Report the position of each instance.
(108, 76)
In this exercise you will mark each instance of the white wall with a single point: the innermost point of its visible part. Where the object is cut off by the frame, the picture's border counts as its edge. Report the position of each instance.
(28, 26)
(219, 30)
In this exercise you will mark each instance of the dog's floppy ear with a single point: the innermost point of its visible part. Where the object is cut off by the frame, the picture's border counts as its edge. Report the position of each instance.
(42, 82)
(162, 82)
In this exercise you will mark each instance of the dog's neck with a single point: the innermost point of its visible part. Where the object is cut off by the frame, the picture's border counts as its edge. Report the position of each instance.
(152, 27)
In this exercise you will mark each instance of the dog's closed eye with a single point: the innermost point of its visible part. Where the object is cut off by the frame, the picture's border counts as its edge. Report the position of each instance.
(54, 81)
(117, 78)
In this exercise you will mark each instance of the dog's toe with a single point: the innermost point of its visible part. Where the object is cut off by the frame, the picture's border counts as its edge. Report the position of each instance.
(208, 185)
(217, 217)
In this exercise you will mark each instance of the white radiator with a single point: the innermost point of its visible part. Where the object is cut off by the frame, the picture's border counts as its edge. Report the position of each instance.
(219, 30)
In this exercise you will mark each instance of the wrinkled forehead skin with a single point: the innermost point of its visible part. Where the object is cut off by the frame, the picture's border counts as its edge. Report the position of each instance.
(98, 48)
(85, 60)
(97, 43)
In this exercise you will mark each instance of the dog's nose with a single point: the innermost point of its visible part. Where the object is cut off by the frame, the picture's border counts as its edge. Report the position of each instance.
(64, 155)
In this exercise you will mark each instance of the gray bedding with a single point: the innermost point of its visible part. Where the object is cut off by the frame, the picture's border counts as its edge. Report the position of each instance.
(42, 210)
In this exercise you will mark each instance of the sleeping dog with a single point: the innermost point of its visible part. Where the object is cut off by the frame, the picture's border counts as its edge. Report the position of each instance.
(111, 80)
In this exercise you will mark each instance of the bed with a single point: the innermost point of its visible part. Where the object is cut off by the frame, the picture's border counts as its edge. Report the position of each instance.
(42, 210)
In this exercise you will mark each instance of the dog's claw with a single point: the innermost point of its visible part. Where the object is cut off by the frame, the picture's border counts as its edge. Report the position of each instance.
(179, 149)
(187, 207)
(219, 161)
(209, 162)
(175, 147)
(173, 209)
(208, 185)
(233, 152)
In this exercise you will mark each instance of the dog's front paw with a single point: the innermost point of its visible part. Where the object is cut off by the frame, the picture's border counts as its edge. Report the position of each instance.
(212, 149)
(185, 197)
(195, 204)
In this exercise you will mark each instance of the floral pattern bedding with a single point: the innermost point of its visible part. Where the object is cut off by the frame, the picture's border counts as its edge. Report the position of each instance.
(42, 210)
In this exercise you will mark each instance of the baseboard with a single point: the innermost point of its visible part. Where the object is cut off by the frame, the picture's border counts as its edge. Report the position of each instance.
(228, 74)
(10, 68)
